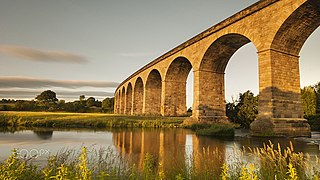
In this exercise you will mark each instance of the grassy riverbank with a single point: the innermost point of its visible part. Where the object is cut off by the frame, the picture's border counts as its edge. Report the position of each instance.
(270, 162)
(83, 120)
(13, 120)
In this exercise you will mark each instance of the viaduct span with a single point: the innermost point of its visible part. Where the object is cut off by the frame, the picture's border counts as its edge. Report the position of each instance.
(278, 30)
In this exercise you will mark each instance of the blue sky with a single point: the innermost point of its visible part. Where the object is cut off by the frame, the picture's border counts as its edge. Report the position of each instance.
(86, 47)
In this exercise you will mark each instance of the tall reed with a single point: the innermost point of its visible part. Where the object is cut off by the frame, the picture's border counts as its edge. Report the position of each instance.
(268, 162)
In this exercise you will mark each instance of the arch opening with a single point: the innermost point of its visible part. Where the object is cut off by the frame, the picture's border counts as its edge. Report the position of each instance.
(175, 87)
(138, 97)
(241, 73)
(153, 93)
(209, 103)
(309, 63)
(129, 99)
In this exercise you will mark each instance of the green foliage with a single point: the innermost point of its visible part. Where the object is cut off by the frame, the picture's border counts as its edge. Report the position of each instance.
(317, 90)
(149, 165)
(91, 101)
(244, 110)
(14, 168)
(81, 120)
(108, 104)
(309, 100)
(47, 101)
(220, 130)
(82, 98)
(270, 163)
(314, 121)
(198, 126)
(83, 172)
(232, 111)
(248, 109)
(47, 96)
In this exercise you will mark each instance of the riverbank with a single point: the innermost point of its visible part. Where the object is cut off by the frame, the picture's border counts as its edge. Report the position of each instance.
(84, 120)
(12, 120)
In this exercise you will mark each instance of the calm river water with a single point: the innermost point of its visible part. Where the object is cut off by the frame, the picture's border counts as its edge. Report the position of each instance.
(177, 143)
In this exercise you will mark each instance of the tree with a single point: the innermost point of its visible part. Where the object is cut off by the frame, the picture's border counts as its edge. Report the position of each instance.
(91, 101)
(317, 90)
(243, 111)
(232, 111)
(108, 104)
(82, 98)
(47, 100)
(309, 100)
(47, 96)
(248, 108)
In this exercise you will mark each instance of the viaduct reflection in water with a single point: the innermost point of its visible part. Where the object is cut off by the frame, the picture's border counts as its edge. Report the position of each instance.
(170, 148)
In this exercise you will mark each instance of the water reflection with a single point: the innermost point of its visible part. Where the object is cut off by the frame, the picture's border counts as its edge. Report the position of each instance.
(183, 148)
(44, 134)
(170, 147)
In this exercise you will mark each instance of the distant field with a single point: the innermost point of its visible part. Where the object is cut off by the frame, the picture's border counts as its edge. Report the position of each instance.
(98, 120)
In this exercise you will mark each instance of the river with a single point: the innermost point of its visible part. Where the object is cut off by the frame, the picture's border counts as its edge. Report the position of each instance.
(135, 143)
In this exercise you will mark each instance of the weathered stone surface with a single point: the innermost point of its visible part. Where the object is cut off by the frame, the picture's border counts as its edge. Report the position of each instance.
(280, 127)
(277, 28)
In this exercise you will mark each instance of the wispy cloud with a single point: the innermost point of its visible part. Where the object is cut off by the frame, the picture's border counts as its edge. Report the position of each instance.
(41, 55)
(28, 82)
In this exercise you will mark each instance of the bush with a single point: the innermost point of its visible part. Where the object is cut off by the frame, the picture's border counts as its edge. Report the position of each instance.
(314, 121)
(224, 130)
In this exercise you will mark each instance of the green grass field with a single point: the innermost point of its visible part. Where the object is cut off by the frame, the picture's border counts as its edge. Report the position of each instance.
(76, 120)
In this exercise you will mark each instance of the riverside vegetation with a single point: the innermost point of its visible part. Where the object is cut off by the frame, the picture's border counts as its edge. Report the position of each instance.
(270, 162)
(12, 121)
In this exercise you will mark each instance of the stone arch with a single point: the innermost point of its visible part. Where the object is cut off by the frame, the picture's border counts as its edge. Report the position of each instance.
(153, 91)
(209, 103)
(138, 96)
(220, 51)
(129, 99)
(297, 28)
(123, 101)
(175, 87)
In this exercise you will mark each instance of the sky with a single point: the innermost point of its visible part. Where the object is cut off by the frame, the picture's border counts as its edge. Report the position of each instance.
(76, 47)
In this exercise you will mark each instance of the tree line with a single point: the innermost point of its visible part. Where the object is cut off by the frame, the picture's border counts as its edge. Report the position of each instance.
(48, 101)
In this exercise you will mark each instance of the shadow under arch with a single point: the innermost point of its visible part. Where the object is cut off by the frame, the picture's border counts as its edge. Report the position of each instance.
(123, 101)
(297, 28)
(209, 79)
(153, 91)
(175, 87)
(129, 99)
(138, 94)
(117, 103)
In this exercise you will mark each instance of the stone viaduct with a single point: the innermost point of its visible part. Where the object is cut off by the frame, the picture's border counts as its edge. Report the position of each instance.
(278, 30)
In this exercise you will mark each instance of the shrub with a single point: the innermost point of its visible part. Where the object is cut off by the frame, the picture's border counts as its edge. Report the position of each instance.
(225, 130)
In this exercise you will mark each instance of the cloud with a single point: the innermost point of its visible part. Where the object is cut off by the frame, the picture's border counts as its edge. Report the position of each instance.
(28, 82)
(69, 95)
(40, 55)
